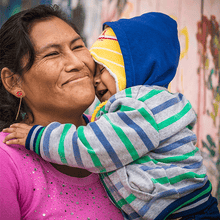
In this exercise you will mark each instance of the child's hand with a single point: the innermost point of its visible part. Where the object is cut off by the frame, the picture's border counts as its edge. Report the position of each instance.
(18, 134)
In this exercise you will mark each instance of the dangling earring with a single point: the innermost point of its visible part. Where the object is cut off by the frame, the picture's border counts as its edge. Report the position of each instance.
(19, 94)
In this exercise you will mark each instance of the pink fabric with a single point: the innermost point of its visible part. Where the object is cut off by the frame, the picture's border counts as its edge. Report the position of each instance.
(31, 188)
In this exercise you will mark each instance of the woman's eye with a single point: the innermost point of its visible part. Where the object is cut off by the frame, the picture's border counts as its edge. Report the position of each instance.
(77, 47)
(51, 54)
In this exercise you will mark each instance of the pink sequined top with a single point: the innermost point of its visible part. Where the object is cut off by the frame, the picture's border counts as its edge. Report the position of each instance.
(31, 188)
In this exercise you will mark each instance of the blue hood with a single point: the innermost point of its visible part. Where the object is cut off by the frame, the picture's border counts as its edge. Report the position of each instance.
(150, 48)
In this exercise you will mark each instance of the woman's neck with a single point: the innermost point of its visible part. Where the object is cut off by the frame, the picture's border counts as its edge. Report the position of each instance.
(77, 120)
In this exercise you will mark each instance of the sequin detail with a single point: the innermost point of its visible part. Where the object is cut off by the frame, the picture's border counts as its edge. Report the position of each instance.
(45, 193)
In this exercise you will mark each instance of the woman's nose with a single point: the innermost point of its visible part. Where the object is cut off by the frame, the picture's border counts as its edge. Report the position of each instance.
(73, 62)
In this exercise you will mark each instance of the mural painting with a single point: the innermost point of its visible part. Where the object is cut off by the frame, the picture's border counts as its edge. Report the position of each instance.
(201, 32)
(208, 37)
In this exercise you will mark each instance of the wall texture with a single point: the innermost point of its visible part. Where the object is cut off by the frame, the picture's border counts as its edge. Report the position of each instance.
(198, 75)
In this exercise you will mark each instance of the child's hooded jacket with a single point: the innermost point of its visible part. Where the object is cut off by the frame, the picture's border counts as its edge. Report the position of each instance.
(149, 45)
(141, 143)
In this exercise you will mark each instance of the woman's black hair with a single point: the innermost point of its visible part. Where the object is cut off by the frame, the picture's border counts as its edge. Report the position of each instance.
(15, 43)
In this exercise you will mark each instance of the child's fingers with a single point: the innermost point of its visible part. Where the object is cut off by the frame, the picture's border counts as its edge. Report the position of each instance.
(14, 135)
(15, 141)
(20, 125)
(17, 134)
(9, 130)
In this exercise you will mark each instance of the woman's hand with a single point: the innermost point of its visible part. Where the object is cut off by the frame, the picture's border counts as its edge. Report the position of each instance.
(18, 134)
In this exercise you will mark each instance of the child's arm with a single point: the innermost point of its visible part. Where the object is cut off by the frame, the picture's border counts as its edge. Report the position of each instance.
(114, 140)
(126, 131)
(119, 137)
(18, 134)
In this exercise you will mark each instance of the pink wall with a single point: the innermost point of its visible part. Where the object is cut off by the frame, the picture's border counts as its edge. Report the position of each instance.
(198, 75)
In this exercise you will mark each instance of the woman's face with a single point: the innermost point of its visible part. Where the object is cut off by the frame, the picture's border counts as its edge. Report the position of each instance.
(60, 82)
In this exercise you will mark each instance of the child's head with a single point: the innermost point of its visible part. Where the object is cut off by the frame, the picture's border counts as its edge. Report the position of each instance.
(110, 73)
(150, 48)
(104, 82)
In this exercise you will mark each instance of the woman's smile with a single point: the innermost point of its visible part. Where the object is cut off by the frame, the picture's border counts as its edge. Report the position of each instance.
(75, 78)
(63, 71)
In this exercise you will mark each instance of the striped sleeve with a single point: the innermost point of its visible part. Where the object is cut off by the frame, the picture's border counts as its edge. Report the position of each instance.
(127, 129)
(117, 138)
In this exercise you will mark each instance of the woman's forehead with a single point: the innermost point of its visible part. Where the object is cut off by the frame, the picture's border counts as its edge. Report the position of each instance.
(51, 32)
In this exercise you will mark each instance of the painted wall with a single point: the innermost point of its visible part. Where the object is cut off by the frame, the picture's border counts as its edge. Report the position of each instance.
(198, 74)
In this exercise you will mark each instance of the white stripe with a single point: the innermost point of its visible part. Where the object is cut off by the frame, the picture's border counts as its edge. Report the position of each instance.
(193, 205)
(107, 60)
(101, 48)
(107, 37)
(33, 137)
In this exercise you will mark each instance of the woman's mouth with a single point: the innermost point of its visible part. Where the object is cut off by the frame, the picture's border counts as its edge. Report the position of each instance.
(75, 77)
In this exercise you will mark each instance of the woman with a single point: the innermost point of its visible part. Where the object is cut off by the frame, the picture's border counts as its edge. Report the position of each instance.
(46, 75)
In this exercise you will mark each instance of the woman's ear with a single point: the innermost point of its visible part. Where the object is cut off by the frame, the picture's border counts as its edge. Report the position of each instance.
(11, 81)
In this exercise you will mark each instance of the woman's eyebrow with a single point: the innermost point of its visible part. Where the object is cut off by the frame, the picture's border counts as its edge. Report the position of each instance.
(74, 40)
(54, 45)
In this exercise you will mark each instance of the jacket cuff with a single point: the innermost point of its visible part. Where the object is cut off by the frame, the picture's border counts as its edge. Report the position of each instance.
(33, 138)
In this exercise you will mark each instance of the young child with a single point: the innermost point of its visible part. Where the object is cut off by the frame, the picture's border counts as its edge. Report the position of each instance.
(141, 142)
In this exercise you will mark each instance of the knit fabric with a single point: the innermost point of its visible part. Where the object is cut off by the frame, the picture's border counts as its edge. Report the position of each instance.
(150, 48)
(106, 51)
(141, 146)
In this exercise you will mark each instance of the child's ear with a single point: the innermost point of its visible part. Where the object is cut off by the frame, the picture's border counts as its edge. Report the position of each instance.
(11, 81)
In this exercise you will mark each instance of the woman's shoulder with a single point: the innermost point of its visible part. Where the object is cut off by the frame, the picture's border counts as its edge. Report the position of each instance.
(15, 151)
(18, 156)
(10, 150)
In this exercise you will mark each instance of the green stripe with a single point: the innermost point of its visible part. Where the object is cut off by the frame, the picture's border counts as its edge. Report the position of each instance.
(178, 158)
(142, 111)
(37, 145)
(130, 198)
(61, 151)
(103, 109)
(183, 176)
(150, 95)
(124, 108)
(190, 127)
(175, 118)
(144, 159)
(102, 176)
(148, 117)
(110, 173)
(122, 202)
(128, 92)
(162, 180)
(124, 139)
(90, 150)
(176, 179)
(193, 199)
